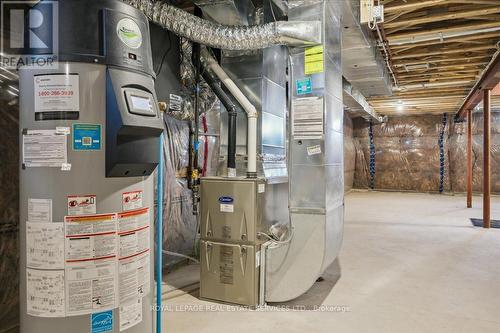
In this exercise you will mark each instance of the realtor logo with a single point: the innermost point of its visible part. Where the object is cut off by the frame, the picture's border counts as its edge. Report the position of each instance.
(29, 33)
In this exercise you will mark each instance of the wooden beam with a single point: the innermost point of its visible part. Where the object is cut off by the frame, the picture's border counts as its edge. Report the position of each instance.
(469, 158)
(486, 159)
(488, 80)
(448, 59)
(441, 52)
(436, 31)
(443, 17)
(432, 72)
(412, 6)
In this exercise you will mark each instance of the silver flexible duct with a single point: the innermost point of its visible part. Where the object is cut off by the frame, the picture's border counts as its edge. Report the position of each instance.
(224, 37)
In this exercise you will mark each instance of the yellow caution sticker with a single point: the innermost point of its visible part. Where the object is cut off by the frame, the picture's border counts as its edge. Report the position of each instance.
(314, 60)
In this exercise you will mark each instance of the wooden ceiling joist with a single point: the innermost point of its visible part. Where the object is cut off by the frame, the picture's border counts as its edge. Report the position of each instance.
(443, 17)
(438, 50)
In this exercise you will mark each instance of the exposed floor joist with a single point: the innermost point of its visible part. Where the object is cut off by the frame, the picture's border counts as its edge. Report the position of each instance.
(439, 49)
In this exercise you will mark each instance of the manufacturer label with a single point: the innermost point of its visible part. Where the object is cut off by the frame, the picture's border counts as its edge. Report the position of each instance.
(304, 86)
(227, 208)
(82, 205)
(314, 150)
(44, 148)
(39, 210)
(102, 322)
(86, 137)
(129, 33)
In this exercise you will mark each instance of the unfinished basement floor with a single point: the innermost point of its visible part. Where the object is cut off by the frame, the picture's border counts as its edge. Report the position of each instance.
(409, 263)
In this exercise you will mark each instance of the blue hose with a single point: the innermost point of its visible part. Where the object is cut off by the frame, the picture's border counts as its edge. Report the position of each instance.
(159, 238)
(372, 157)
(442, 169)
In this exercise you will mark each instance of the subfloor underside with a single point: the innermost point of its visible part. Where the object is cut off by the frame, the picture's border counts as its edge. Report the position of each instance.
(409, 263)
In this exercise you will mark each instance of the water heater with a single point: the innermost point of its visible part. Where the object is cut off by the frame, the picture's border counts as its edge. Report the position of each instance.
(90, 129)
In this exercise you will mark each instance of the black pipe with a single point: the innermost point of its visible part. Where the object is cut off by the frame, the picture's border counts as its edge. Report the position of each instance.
(232, 111)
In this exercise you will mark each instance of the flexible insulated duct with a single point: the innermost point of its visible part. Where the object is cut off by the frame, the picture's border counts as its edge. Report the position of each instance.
(229, 37)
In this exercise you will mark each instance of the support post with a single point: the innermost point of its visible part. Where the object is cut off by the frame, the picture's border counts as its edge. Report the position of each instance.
(469, 159)
(486, 159)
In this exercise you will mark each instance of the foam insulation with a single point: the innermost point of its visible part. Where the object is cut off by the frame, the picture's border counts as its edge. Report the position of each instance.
(407, 156)
(349, 153)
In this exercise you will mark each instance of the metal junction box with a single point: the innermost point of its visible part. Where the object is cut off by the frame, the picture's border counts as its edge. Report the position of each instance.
(231, 217)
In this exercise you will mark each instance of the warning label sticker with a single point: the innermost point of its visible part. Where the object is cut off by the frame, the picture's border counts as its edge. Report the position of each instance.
(132, 200)
(82, 205)
(90, 237)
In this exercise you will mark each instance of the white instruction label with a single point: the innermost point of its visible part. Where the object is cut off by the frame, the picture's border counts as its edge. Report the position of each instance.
(313, 150)
(90, 237)
(91, 286)
(58, 92)
(45, 293)
(44, 148)
(133, 232)
(175, 102)
(257, 259)
(307, 115)
(130, 314)
(39, 210)
(45, 245)
(261, 188)
(132, 200)
(227, 208)
(134, 277)
(82, 205)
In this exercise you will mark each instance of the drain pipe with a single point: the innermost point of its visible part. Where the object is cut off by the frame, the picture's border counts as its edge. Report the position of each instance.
(232, 109)
(249, 108)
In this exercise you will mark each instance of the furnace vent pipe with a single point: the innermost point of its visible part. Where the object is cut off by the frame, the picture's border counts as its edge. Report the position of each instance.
(232, 109)
(180, 22)
(249, 108)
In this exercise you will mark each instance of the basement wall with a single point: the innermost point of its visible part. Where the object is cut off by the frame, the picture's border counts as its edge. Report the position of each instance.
(407, 154)
(349, 153)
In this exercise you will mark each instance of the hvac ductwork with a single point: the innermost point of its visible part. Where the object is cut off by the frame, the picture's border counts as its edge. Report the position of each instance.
(229, 37)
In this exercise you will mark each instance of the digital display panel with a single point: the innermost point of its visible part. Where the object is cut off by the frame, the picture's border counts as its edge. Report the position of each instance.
(141, 103)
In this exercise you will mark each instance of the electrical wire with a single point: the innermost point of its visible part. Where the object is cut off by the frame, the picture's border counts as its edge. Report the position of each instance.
(288, 240)
(158, 71)
(175, 254)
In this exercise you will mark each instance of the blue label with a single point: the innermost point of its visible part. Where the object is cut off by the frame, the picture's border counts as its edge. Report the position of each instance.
(102, 322)
(86, 137)
(226, 200)
(304, 86)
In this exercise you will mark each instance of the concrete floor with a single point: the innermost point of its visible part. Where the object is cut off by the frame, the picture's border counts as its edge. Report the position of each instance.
(409, 263)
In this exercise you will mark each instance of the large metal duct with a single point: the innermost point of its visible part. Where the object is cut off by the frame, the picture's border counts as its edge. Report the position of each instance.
(228, 37)
(362, 63)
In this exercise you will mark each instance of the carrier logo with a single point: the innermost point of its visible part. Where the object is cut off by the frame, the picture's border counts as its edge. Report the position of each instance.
(29, 33)
(129, 33)
(226, 200)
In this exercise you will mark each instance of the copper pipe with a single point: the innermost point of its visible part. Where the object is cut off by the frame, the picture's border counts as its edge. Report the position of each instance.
(486, 159)
(469, 159)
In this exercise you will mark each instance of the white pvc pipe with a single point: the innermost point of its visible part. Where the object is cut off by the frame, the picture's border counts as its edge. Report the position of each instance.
(249, 108)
